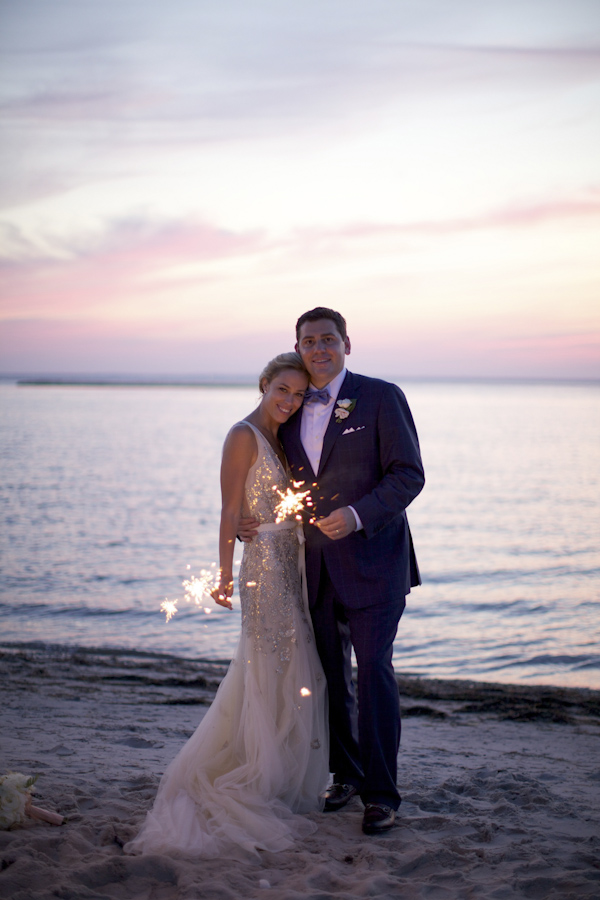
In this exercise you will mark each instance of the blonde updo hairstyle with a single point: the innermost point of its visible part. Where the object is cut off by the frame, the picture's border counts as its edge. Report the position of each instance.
(291, 360)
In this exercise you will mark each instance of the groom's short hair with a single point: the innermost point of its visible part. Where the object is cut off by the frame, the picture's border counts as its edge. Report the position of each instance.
(322, 312)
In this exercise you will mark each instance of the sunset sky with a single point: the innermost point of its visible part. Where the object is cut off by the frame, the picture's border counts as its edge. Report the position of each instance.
(181, 180)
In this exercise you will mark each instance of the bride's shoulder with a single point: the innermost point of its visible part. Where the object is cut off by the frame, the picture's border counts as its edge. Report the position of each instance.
(240, 441)
(241, 430)
(241, 434)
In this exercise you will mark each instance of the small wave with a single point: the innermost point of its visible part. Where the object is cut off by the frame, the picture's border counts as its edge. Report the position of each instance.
(113, 652)
(20, 608)
(592, 664)
(514, 607)
(564, 660)
(579, 661)
(51, 611)
(118, 582)
(512, 574)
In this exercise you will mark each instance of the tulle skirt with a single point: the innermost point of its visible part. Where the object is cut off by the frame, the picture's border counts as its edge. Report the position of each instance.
(257, 761)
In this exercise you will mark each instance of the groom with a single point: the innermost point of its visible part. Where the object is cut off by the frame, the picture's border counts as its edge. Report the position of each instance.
(354, 444)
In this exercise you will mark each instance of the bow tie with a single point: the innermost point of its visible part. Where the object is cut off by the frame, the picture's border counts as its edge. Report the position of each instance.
(322, 396)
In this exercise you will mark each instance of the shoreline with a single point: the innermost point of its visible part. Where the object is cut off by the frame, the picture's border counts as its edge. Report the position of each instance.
(525, 702)
(500, 786)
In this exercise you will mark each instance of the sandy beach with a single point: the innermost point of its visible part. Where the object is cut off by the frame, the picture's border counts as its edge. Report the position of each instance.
(500, 785)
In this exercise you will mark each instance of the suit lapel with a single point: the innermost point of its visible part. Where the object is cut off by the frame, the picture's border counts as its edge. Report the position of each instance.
(349, 389)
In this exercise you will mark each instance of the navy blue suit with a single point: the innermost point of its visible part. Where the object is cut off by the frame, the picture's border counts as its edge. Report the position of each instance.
(357, 585)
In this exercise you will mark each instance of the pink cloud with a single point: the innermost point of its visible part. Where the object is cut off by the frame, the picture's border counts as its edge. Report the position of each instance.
(129, 237)
(93, 272)
(509, 217)
(94, 303)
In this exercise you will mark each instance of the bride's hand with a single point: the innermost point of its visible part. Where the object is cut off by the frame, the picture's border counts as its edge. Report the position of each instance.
(223, 591)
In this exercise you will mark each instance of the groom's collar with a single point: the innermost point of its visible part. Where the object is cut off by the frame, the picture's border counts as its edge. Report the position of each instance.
(335, 385)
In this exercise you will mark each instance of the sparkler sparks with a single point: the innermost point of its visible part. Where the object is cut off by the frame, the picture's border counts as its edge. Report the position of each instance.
(196, 588)
(169, 607)
(292, 502)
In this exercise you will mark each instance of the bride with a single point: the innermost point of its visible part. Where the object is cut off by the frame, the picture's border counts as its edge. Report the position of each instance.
(260, 754)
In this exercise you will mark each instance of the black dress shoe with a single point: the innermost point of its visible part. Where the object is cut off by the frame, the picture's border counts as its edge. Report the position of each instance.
(338, 795)
(378, 818)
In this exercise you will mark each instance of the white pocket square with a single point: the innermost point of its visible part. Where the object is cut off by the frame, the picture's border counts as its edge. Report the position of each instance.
(350, 430)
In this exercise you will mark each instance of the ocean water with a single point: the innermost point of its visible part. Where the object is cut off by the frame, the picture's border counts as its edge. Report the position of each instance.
(109, 499)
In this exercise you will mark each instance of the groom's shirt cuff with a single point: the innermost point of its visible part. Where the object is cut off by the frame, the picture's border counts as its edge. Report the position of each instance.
(359, 524)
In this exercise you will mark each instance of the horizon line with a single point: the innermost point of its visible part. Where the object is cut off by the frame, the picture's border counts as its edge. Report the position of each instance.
(244, 380)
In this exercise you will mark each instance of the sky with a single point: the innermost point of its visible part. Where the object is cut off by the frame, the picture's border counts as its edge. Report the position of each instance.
(180, 181)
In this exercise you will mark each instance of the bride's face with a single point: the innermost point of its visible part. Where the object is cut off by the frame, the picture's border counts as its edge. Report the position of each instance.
(284, 394)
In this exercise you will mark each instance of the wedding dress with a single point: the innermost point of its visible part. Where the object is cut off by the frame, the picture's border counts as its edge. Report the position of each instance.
(260, 754)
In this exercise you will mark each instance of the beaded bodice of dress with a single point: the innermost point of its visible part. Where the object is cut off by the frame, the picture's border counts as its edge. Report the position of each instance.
(267, 474)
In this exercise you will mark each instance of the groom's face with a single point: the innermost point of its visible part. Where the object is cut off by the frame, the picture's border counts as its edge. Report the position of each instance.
(323, 350)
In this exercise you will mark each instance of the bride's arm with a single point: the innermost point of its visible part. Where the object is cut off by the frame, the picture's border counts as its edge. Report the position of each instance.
(239, 454)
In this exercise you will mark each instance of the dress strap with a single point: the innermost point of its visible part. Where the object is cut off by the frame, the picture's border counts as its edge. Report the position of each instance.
(262, 440)
(257, 432)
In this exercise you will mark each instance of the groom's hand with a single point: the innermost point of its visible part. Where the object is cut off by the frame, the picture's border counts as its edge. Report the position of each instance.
(246, 529)
(338, 524)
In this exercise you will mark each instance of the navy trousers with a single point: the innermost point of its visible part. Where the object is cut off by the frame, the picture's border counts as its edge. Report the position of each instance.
(364, 719)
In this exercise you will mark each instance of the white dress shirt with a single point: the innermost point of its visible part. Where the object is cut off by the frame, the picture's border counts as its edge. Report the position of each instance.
(315, 419)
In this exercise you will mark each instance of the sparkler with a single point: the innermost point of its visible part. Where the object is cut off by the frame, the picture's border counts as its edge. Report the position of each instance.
(292, 502)
(195, 589)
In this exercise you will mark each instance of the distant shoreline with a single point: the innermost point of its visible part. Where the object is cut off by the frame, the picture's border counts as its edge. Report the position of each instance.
(237, 381)
(58, 382)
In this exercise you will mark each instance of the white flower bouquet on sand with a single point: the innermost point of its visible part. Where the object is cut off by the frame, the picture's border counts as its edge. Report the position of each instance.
(15, 802)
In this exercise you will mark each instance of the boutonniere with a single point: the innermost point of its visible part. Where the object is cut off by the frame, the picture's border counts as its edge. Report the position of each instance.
(343, 410)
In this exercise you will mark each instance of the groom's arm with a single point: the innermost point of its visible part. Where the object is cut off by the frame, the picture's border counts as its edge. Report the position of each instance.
(247, 529)
(400, 461)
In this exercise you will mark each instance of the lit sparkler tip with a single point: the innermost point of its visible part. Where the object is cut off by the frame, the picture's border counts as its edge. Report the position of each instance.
(291, 503)
(169, 607)
(196, 588)
(304, 692)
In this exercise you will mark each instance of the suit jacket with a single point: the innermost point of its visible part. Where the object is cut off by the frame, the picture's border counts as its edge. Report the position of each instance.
(370, 461)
